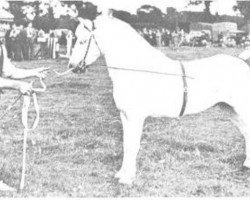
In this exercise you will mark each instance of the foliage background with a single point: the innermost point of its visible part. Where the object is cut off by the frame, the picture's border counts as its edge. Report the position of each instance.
(46, 14)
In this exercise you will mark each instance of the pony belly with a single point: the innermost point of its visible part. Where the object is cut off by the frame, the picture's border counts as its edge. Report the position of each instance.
(148, 98)
(219, 78)
(155, 109)
(202, 96)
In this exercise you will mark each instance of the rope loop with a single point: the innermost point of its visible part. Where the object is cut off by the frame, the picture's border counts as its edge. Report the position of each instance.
(26, 105)
(25, 113)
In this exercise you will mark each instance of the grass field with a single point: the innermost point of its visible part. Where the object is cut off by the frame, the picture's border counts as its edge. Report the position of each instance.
(77, 147)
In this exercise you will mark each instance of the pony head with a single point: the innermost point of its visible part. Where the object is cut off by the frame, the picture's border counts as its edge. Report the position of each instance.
(86, 50)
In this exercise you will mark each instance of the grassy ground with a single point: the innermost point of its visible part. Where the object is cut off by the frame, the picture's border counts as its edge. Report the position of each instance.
(77, 147)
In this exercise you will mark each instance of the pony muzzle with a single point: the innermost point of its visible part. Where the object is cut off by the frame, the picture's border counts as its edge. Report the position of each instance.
(70, 66)
(80, 68)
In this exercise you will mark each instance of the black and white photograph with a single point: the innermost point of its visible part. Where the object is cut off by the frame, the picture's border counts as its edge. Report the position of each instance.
(124, 98)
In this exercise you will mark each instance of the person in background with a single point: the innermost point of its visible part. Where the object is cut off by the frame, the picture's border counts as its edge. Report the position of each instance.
(146, 34)
(165, 37)
(15, 46)
(42, 42)
(220, 39)
(10, 78)
(158, 38)
(31, 35)
(23, 41)
(152, 37)
(69, 43)
(8, 43)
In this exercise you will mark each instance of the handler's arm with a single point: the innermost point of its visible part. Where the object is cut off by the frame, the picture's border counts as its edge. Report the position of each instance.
(10, 71)
(23, 87)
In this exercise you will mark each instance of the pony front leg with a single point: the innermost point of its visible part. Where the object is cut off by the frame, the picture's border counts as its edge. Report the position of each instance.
(132, 131)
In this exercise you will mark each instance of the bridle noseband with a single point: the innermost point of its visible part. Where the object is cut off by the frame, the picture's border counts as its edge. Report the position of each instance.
(81, 67)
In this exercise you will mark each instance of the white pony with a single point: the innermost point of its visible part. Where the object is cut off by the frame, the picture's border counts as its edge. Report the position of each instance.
(147, 83)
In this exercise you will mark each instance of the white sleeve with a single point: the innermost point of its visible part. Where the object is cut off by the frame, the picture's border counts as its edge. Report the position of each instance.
(8, 69)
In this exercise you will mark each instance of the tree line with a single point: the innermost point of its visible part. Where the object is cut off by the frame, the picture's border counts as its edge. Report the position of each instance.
(146, 15)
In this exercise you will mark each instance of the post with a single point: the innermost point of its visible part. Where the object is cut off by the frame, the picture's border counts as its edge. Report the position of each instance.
(69, 43)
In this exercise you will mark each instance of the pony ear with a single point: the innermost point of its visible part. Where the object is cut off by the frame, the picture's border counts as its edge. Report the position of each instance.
(81, 20)
(107, 12)
(86, 22)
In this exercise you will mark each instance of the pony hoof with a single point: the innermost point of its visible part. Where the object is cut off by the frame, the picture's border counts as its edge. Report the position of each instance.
(119, 174)
(126, 181)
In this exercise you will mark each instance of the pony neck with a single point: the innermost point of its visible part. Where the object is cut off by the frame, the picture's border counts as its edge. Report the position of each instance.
(123, 47)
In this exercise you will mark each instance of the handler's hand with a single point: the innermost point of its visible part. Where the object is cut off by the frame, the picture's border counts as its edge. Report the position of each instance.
(41, 72)
(25, 88)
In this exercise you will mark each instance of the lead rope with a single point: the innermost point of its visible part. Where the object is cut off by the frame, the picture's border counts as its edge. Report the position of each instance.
(25, 110)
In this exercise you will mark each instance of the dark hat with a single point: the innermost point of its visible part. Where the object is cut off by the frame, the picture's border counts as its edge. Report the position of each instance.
(88, 11)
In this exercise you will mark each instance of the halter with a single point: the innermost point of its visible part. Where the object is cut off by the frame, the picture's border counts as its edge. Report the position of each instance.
(81, 67)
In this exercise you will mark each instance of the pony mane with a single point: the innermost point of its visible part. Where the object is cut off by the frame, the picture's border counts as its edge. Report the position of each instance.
(119, 27)
(123, 36)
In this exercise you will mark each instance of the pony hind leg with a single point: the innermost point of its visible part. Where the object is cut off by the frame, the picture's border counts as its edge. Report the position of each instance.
(132, 131)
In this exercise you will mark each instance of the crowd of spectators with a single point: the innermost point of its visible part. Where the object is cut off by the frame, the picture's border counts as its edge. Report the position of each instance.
(19, 41)
(24, 42)
(162, 37)
(156, 37)
(27, 43)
